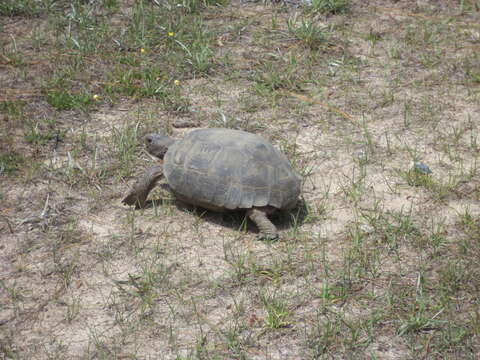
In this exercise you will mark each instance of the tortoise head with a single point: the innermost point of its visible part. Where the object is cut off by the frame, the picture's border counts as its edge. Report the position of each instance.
(158, 144)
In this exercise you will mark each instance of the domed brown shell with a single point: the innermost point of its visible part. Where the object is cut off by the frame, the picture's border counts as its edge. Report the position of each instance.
(230, 169)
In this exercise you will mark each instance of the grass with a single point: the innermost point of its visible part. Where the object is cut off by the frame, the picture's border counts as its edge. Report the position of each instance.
(306, 31)
(329, 6)
(10, 162)
(381, 256)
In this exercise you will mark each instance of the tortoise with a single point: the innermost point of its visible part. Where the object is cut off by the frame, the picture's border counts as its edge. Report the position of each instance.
(220, 170)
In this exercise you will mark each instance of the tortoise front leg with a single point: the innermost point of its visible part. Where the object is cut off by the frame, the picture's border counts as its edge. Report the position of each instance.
(142, 187)
(268, 231)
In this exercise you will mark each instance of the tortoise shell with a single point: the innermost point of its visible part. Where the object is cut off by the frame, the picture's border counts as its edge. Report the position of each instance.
(230, 169)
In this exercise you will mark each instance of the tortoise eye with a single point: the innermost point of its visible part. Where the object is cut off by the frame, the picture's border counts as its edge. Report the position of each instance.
(149, 139)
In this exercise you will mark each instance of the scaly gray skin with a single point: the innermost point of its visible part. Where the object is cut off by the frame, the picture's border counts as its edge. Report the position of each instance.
(158, 145)
(268, 231)
(139, 192)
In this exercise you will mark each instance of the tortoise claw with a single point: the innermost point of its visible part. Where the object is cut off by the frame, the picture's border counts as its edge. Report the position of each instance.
(268, 237)
(133, 199)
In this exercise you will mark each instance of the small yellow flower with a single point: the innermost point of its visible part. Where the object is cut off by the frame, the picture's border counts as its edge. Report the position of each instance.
(176, 82)
(170, 33)
(96, 97)
(142, 50)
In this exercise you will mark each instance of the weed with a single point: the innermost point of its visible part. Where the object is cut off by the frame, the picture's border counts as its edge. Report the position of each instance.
(36, 135)
(306, 31)
(273, 76)
(27, 8)
(470, 67)
(469, 224)
(10, 162)
(322, 338)
(14, 295)
(12, 108)
(66, 100)
(111, 5)
(194, 6)
(329, 6)
(235, 343)
(469, 5)
(122, 145)
(73, 309)
(276, 311)
(420, 321)
(415, 177)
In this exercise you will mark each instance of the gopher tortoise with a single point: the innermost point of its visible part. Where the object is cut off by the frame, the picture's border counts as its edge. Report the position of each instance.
(220, 170)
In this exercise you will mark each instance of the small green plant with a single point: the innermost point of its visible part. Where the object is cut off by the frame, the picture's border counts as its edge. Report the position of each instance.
(276, 311)
(65, 270)
(306, 31)
(416, 178)
(323, 334)
(67, 100)
(172, 98)
(329, 6)
(12, 108)
(10, 162)
(194, 6)
(27, 8)
(122, 145)
(72, 310)
(469, 5)
(455, 277)
(110, 5)
(234, 343)
(470, 225)
(419, 321)
(471, 70)
(36, 134)
(200, 59)
(144, 82)
(198, 55)
(275, 75)
(14, 292)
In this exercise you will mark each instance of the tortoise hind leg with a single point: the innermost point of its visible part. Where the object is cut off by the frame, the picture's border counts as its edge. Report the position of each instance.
(268, 231)
(142, 187)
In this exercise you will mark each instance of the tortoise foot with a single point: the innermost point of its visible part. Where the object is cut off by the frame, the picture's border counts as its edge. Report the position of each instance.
(268, 237)
(268, 231)
(139, 192)
(133, 199)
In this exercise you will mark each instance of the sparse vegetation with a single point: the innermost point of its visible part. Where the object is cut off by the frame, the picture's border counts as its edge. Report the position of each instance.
(306, 31)
(329, 6)
(375, 105)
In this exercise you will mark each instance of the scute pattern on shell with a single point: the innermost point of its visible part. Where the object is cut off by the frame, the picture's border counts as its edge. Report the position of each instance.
(230, 169)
